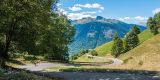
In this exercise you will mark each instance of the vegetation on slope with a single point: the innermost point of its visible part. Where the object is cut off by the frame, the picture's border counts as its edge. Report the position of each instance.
(145, 56)
(106, 48)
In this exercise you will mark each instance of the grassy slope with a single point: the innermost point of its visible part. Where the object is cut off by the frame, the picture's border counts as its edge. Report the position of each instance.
(106, 48)
(145, 56)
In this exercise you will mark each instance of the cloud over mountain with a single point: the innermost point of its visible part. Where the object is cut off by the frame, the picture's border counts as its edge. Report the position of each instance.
(78, 7)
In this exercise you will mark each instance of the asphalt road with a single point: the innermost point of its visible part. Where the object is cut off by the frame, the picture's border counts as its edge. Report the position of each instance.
(42, 66)
(89, 75)
(102, 76)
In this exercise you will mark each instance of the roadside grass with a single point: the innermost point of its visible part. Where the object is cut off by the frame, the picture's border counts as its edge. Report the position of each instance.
(100, 69)
(7, 74)
(84, 58)
(74, 68)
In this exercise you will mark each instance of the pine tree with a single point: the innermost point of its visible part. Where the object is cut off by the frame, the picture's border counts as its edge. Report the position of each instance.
(136, 29)
(152, 26)
(131, 40)
(117, 47)
(154, 23)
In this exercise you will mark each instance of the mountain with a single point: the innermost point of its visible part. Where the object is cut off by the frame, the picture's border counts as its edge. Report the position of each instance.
(93, 32)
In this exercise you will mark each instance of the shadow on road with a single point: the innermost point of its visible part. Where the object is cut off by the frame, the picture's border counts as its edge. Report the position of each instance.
(104, 74)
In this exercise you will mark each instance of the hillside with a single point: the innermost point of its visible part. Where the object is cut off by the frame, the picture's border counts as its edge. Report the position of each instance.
(93, 32)
(145, 56)
(106, 48)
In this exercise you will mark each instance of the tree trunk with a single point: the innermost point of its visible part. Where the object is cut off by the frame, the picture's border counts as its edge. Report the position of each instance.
(2, 63)
(6, 46)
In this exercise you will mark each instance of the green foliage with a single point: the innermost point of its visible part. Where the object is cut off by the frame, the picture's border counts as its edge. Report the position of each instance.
(54, 42)
(154, 23)
(117, 47)
(93, 53)
(131, 40)
(31, 26)
(152, 26)
(136, 29)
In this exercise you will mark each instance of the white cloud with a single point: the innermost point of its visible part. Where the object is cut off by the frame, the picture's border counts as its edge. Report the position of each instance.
(127, 18)
(140, 18)
(137, 18)
(124, 19)
(156, 11)
(75, 16)
(94, 6)
(121, 19)
(100, 11)
(58, 4)
(78, 7)
(62, 11)
(74, 8)
(89, 12)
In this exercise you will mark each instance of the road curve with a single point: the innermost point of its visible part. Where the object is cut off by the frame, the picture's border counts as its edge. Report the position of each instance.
(42, 66)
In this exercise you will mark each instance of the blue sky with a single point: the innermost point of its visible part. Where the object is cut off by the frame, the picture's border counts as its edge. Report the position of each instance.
(130, 11)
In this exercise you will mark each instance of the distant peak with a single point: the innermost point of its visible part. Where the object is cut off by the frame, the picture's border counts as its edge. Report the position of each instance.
(99, 18)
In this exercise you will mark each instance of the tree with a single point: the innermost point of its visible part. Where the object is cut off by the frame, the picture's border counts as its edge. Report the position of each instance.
(154, 23)
(136, 29)
(94, 53)
(152, 26)
(21, 22)
(54, 42)
(30, 25)
(157, 19)
(117, 47)
(131, 40)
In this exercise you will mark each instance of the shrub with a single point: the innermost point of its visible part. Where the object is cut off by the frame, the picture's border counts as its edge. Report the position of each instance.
(126, 60)
(93, 53)
(140, 63)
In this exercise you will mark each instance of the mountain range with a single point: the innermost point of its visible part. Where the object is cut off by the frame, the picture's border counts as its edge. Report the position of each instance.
(93, 32)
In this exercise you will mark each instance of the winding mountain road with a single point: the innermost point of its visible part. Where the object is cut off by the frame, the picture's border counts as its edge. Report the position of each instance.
(42, 66)
(88, 75)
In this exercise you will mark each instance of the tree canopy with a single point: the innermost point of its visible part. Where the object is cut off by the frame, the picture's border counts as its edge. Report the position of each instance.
(131, 40)
(154, 23)
(33, 26)
(117, 47)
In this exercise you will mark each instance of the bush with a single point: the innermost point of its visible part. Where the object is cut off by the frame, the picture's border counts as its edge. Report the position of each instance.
(30, 57)
(93, 53)
(126, 60)
(140, 63)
